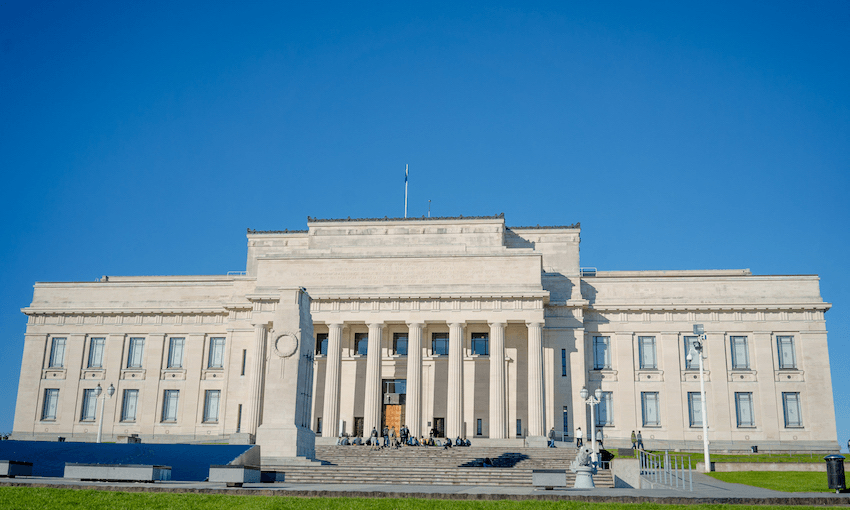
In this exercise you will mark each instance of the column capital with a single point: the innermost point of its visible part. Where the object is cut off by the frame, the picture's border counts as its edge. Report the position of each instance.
(375, 325)
(456, 324)
(496, 324)
(339, 325)
(534, 324)
(415, 324)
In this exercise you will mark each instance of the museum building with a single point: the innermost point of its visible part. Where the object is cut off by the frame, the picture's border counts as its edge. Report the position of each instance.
(461, 324)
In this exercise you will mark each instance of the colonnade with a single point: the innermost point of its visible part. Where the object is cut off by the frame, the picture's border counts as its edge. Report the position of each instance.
(498, 426)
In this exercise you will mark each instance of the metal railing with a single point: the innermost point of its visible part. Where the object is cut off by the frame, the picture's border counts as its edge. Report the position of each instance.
(674, 471)
(237, 273)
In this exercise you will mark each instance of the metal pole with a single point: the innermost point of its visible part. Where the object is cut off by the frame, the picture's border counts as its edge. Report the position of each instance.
(405, 191)
(100, 424)
(591, 401)
(704, 409)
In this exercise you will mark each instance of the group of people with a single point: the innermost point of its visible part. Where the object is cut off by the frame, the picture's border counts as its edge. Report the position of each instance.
(389, 438)
(580, 437)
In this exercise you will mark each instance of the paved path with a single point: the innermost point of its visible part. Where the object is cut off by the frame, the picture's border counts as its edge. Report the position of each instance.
(706, 490)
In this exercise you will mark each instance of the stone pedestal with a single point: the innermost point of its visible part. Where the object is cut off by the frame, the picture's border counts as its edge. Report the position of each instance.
(584, 477)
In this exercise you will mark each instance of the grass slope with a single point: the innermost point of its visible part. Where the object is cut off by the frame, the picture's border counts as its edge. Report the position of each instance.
(786, 481)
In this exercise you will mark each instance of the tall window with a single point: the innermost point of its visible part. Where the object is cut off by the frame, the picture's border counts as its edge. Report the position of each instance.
(785, 347)
(400, 344)
(175, 352)
(601, 353)
(689, 343)
(440, 344)
(648, 360)
(519, 427)
(480, 344)
(216, 352)
(740, 353)
(128, 407)
(361, 343)
(89, 406)
(57, 353)
(211, 400)
(694, 409)
(136, 352)
(96, 352)
(744, 409)
(169, 405)
(605, 409)
(322, 344)
(563, 362)
(650, 409)
(791, 408)
(479, 427)
(51, 402)
(566, 422)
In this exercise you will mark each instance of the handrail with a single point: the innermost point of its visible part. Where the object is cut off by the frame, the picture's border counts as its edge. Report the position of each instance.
(237, 273)
(666, 469)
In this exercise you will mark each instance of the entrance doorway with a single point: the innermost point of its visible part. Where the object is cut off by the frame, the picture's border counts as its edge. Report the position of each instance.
(440, 427)
(394, 399)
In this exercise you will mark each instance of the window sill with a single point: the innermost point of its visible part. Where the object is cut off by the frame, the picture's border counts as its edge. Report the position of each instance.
(173, 373)
(645, 375)
(603, 375)
(133, 373)
(53, 373)
(787, 375)
(93, 373)
(691, 375)
(738, 375)
(212, 373)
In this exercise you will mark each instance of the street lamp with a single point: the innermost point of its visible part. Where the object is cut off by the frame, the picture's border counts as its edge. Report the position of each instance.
(109, 392)
(696, 349)
(592, 400)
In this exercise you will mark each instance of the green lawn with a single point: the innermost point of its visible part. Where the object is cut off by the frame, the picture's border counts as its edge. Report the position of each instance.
(786, 481)
(38, 498)
(816, 458)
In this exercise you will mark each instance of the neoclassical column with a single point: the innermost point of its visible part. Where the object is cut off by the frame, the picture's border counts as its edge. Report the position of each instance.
(498, 415)
(372, 402)
(454, 400)
(413, 407)
(330, 412)
(535, 379)
(257, 371)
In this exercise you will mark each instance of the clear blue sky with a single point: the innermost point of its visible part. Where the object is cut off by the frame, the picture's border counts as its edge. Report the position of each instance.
(144, 138)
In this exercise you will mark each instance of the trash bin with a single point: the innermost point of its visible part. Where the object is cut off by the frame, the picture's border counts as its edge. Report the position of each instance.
(754, 449)
(835, 471)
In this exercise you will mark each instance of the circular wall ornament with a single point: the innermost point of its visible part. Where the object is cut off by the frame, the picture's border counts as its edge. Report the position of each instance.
(286, 345)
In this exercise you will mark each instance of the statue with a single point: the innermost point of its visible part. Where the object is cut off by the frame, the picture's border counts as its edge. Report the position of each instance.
(584, 467)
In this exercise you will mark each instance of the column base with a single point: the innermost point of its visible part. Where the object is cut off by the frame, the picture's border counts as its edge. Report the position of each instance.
(286, 441)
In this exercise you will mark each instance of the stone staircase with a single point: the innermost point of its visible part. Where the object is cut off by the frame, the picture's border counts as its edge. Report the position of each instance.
(432, 466)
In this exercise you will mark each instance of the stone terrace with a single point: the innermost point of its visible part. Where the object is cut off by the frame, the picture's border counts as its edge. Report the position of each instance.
(433, 465)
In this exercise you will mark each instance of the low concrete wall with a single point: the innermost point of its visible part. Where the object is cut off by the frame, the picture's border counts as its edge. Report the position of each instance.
(117, 472)
(729, 467)
(235, 476)
(626, 473)
(13, 468)
(249, 458)
(549, 478)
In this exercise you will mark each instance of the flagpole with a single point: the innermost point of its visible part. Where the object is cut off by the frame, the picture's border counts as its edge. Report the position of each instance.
(405, 191)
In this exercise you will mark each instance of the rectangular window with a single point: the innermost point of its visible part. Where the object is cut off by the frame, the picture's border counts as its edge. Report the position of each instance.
(605, 410)
(740, 353)
(319, 425)
(650, 409)
(96, 352)
(244, 357)
(694, 362)
(479, 427)
(400, 344)
(601, 353)
(563, 362)
(480, 344)
(744, 409)
(51, 401)
(175, 352)
(787, 357)
(169, 405)
(361, 343)
(128, 407)
(89, 406)
(136, 352)
(216, 359)
(322, 344)
(440, 344)
(791, 408)
(57, 353)
(566, 423)
(239, 419)
(694, 409)
(648, 360)
(211, 400)
(519, 427)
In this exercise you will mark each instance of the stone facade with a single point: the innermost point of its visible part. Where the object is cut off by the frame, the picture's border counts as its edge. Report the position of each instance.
(460, 324)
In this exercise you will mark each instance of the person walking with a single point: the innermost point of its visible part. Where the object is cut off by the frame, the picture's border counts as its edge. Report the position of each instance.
(552, 437)
(579, 440)
(373, 439)
(386, 435)
(599, 437)
(634, 441)
(639, 441)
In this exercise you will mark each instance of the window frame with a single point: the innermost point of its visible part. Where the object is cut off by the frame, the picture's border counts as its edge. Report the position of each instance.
(689, 340)
(321, 344)
(605, 343)
(785, 408)
(125, 418)
(89, 403)
(647, 345)
(653, 398)
(50, 402)
(693, 398)
(170, 399)
(94, 352)
(397, 337)
(607, 401)
(57, 352)
(735, 341)
(208, 415)
(478, 339)
(361, 339)
(136, 348)
(173, 343)
(443, 338)
(744, 401)
(215, 357)
(780, 351)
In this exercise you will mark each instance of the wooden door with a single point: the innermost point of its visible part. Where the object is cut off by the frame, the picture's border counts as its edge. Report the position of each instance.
(393, 417)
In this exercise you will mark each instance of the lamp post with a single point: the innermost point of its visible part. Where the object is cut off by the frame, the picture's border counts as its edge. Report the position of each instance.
(696, 348)
(592, 400)
(109, 392)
